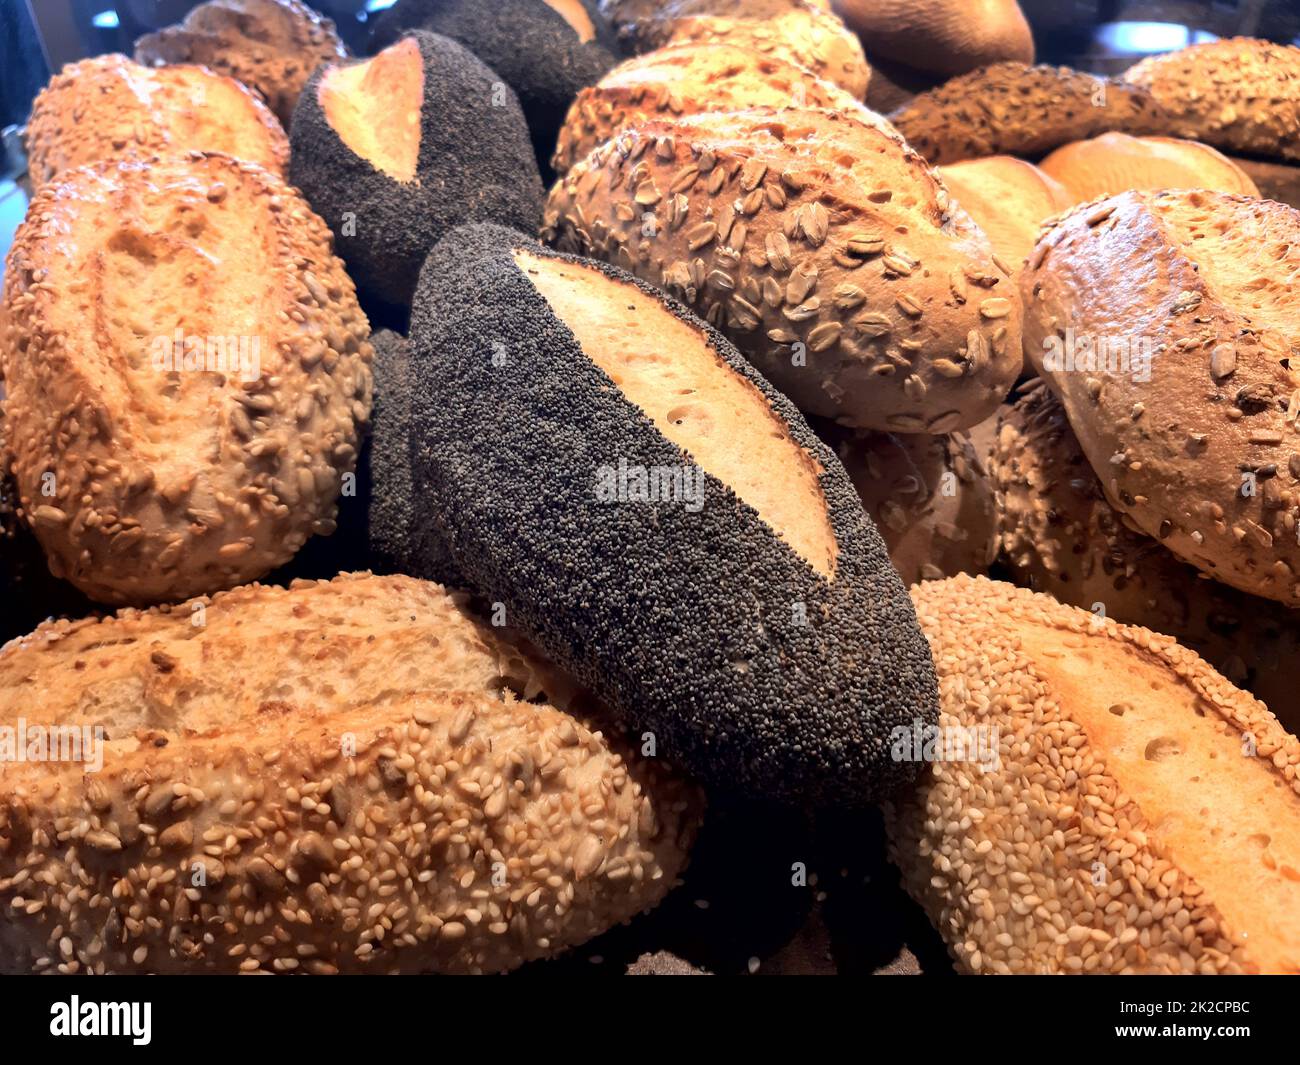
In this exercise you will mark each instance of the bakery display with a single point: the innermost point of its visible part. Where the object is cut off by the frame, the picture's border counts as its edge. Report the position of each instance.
(1009, 199)
(931, 497)
(824, 248)
(1059, 535)
(1116, 162)
(1135, 812)
(395, 150)
(942, 37)
(583, 439)
(272, 46)
(279, 780)
(186, 372)
(685, 80)
(545, 50)
(1164, 321)
(141, 112)
(1241, 95)
(651, 486)
(1015, 109)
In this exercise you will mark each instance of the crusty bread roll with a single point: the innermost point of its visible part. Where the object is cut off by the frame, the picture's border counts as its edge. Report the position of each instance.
(1009, 199)
(1060, 536)
(326, 778)
(1275, 181)
(659, 520)
(271, 46)
(187, 373)
(395, 150)
(1116, 162)
(1133, 812)
(931, 497)
(108, 107)
(684, 80)
(828, 252)
(797, 31)
(1188, 414)
(1015, 109)
(1240, 94)
(941, 36)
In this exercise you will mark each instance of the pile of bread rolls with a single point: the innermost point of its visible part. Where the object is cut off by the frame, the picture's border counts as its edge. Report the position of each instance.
(686, 477)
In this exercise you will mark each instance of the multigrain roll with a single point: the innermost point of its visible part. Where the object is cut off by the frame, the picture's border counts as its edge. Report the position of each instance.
(1240, 94)
(271, 46)
(187, 375)
(1116, 162)
(685, 80)
(931, 497)
(334, 777)
(941, 36)
(1009, 199)
(396, 150)
(108, 107)
(826, 250)
(1017, 109)
(660, 521)
(796, 31)
(1164, 321)
(1131, 812)
(545, 50)
(1060, 536)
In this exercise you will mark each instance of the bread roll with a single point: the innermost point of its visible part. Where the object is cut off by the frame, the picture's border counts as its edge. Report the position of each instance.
(545, 50)
(1138, 813)
(1188, 413)
(685, 80)
(396, 150)
(931, 497)
(1116, 162)
(1015, 109)
(1060, 536)
(188, 375)
(828, 252)
(1240, 94)
(328, 778)
(271, 46)
(941, 36)
(894, 84)
(659, 520)
(1009, 199)
(799, 32)
(108, 107)
(1275, 181)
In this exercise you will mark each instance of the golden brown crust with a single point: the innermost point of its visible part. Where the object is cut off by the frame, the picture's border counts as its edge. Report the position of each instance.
(930, 496)
(1239, 94)
(1060, 536)
(325, 778)
(941, 36)
(825, 249)
(1016, 109)
(1116, 162)
(188, 375)
(1009, 199)
(1119, 829)
(1200, 452)
(684, 80)
(109, 107)
(272, 46)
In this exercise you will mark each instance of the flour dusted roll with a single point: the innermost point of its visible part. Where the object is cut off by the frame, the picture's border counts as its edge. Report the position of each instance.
(1165, 322)
(334, 777)
(824, 248)
(187, 375)
(108, 107)
(1135, 812)
(659, 520)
